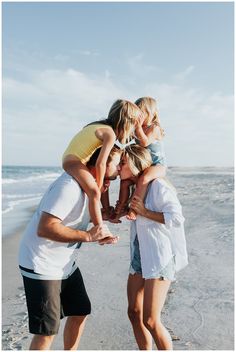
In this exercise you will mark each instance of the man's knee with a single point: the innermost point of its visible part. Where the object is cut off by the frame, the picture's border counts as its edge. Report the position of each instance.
(41, 342)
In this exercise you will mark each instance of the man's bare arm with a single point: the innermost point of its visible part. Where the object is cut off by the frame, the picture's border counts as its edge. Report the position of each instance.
(51, 227)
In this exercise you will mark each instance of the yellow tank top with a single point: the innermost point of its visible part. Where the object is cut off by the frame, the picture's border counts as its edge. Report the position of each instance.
(85, 143)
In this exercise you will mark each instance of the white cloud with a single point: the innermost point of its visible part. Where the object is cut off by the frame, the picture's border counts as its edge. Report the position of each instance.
(199, 128)
(52, 105)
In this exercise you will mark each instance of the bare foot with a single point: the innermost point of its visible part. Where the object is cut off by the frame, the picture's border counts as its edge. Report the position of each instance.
(107, 212)
(120, 210)
(115, 220)
(131, 215)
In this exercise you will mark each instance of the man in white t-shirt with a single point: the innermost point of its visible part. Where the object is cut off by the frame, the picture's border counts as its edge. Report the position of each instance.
(53, 283)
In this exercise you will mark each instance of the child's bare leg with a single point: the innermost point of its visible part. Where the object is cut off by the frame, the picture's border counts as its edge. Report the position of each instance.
(148, 175)
(122, 203)
(82, 175)
(106, 208)
(124, 192)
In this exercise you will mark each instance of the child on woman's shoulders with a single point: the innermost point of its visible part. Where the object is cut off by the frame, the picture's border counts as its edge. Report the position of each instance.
(149, 134)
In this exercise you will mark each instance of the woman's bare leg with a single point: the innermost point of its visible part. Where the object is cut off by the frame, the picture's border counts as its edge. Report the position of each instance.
(135, 291)
(155, 291)
(82, 175)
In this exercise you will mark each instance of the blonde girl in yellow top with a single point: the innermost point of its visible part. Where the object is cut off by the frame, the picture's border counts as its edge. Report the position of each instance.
(149, 134)
(119, 125)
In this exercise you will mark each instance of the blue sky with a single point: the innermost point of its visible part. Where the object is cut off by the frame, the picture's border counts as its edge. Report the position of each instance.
(65, 63)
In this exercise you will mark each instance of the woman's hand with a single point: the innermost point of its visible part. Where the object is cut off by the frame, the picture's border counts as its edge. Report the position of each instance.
(138, 206)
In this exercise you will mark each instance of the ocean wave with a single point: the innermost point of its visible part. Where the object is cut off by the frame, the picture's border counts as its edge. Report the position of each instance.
(12, 204)
(46, 177)
(20, 196)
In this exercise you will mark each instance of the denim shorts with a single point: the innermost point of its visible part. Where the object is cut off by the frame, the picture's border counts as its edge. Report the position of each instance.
(166, 273)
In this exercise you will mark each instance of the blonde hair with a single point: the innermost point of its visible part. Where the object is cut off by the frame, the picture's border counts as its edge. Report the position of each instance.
(148, 106)
(138, 158)
(123, 116)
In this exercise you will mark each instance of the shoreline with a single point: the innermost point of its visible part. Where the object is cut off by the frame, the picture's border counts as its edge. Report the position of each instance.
(199, 306)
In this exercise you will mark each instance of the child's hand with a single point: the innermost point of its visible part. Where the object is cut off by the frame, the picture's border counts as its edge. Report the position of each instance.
(138, 205)
(105, 186)
(140, 120)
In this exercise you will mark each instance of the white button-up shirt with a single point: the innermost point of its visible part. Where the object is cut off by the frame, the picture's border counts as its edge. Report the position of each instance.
(158, 242)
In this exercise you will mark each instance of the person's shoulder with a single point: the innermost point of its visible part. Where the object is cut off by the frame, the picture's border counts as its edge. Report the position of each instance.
(106, 128)
(157, 183)
(68, 182)
(161, 185)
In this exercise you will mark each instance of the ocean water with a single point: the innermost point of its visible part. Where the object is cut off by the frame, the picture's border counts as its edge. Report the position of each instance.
(23, 187)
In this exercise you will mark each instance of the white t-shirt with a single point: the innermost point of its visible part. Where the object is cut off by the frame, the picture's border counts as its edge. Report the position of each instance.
(50, 259)
(158, 243)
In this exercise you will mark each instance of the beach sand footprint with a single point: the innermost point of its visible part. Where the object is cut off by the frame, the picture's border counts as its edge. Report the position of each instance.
(15, 334)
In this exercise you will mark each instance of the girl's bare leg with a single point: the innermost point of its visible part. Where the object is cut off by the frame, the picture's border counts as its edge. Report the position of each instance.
(148, 175)
(155, 291)
(135, 292)
(122, 203)
(82, 175)
(107, 209)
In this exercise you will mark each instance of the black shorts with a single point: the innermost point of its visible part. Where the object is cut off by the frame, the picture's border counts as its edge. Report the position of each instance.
(48, 301)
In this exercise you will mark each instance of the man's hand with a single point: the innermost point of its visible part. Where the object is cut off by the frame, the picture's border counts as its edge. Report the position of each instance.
(138, 206)
(109, 240)
(102, 234)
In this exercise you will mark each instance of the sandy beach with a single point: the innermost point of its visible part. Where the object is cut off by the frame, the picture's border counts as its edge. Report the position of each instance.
(199, 308)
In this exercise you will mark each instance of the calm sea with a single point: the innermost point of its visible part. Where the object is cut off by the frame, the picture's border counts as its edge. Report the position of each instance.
(23, 187)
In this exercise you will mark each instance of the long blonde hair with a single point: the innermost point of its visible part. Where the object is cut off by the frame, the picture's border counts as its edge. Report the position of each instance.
(122, 117)
(138, 158)
(148, 106)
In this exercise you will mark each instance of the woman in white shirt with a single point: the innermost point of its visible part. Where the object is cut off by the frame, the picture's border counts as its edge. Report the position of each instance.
(158, 251)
